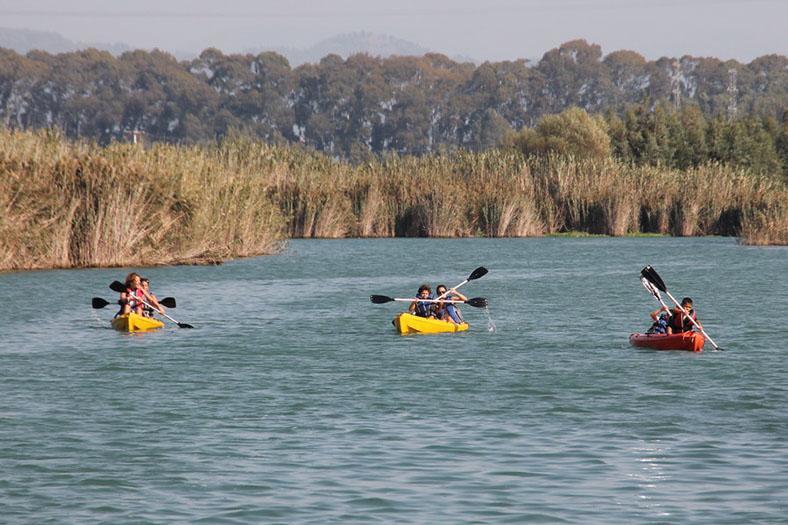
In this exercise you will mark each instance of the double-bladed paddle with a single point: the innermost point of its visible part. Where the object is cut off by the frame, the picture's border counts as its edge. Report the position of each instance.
(98, 302)
(119, 287)
(476, 302)
(479, 272)
(651, 275)
(650, 288)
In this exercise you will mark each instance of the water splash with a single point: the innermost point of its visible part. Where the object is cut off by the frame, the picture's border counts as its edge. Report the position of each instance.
(490, 323)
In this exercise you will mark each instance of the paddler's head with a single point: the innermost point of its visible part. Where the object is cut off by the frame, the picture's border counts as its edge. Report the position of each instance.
(133, 281)
(424, 291)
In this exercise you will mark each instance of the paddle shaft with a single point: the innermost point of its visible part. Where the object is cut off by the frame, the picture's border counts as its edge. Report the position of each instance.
(659, 298)
(146, 303)
(428, 300)
(98, 302)
(650, 287)
(686, 313)
(447, 292)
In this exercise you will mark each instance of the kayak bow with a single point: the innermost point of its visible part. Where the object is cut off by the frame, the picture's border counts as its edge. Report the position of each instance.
(135, 323)
(407, 323)
(690, 341)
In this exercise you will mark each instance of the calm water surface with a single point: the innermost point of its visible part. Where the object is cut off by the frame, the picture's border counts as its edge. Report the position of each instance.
(294, 401)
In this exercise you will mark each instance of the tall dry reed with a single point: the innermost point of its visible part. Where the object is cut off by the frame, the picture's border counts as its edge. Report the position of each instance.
(75, 205)
(68, 204)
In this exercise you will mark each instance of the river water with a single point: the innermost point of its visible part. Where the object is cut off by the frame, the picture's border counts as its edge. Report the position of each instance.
(294, 401)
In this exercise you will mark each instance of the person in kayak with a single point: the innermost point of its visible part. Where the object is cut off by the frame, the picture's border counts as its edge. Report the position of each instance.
(147, 311)
(423, 308)
(449, 311)
(131, 299)
(661, 323)
(679, 322)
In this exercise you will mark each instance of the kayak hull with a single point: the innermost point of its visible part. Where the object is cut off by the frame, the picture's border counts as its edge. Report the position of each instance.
(689, 341)
(135, 323)
(412, 324)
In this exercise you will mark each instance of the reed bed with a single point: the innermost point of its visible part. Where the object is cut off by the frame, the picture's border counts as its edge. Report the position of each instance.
(65, 204)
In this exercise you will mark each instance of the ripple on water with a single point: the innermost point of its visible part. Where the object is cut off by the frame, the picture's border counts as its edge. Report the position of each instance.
(293, 400)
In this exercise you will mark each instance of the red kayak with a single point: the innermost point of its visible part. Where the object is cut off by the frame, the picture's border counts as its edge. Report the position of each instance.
(690, 341)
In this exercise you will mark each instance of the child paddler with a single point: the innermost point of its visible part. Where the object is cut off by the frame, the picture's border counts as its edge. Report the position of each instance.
(679, 321)
(422, 308)
(661, 320)
(147, 311)
(131, 299)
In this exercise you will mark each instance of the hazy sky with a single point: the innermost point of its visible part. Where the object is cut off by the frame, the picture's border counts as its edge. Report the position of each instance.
(482, 30)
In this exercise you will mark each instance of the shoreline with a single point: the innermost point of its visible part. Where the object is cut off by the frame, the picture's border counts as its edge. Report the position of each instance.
(79, 205)
(219, 262)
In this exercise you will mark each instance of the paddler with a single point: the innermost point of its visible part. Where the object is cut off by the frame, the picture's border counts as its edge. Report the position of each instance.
(661, 319)
(147, 311)
(422, 308)
(679, 322)
(449, 311)
(131, 299)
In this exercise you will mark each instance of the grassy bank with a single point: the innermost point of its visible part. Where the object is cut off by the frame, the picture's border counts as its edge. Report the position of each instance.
(73, 205)
(501, 194)
(68, 205)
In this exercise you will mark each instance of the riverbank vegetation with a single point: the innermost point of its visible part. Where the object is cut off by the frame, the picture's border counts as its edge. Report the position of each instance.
(66, 204)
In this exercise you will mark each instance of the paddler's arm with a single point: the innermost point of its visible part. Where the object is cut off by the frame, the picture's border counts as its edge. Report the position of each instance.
(655, 313)
(152, 300)
(453, 293)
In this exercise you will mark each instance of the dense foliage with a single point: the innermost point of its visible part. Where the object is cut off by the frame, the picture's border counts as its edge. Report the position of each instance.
(68, 203)
(408, 105)
(661, 137)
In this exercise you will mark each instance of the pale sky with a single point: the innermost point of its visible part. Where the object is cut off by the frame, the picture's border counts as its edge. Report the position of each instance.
(482, 30)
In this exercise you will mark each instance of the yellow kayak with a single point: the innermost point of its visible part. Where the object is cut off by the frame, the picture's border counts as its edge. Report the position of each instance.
(411, 324)
(135, 323)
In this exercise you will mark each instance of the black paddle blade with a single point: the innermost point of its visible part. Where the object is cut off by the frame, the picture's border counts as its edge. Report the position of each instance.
(98, 302)
(117, 286)
(380, 299)
(481, 271)
(169, 302)
(653, 277)
(184, 325)
(477, 302)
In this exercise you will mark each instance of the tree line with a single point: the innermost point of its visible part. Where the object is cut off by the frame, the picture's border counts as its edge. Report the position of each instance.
(363, 105)
(662, 136)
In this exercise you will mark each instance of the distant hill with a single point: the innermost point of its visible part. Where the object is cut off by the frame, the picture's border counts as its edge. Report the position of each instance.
(346, 45)
(24, 40)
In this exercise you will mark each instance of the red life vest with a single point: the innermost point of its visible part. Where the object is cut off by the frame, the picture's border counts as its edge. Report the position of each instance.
(135, 297)
(680, 323)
